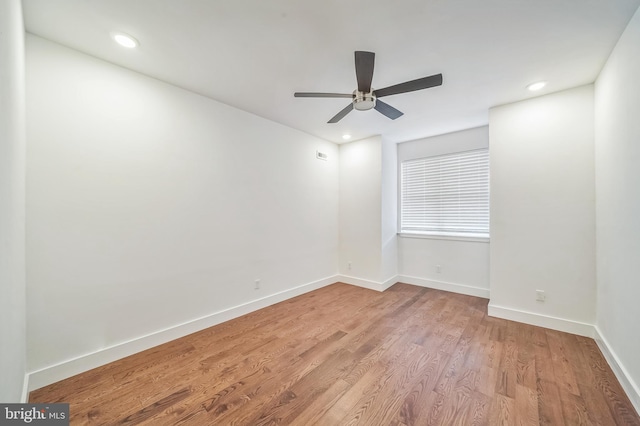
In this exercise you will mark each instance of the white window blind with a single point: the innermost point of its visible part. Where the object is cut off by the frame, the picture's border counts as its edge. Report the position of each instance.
(446, 195)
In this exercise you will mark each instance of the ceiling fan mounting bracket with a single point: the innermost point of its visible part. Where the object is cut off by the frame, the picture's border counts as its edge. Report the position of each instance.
(364, 101)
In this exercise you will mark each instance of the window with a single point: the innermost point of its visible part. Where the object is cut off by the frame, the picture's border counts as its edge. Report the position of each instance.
(446, 195)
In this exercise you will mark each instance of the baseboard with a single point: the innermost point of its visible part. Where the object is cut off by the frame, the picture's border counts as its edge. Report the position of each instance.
(372, 285)
(630, 387)
(438, 285)
(441, 285)
(66, 369)
(389, 282)
(546, 321)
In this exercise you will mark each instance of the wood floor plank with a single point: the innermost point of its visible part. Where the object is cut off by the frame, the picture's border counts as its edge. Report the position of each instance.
(562, 368)
(479, 409)
(399, 386)
(526, 409)
(352, 396)
(315, 412)
(345, 355)
(549, 403)
(610, 388)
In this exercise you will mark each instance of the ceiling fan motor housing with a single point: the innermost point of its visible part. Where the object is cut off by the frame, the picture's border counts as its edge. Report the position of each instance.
(363, 101)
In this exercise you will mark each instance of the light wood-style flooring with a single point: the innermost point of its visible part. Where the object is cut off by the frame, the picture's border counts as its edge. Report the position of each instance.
(344, 355)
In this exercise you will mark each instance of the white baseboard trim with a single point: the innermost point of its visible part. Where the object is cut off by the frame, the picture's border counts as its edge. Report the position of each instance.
(54, 373)
(442, 285)
(546, 321)
(371, 285)
(389, 282)
(630, 387)
(360, 282)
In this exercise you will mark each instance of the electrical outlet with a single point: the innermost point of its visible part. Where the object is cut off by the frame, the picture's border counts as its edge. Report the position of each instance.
(257, 284)
(540, 296)
(438, 269)
(349, 265)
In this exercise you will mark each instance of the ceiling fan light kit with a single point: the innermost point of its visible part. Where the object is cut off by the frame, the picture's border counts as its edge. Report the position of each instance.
(364, 101)
(365, 98)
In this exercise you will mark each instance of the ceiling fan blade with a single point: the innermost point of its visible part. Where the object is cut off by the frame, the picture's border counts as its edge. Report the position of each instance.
(410, 86)
(387, 110)
(364, 70)
(339, 116)
(322, 95)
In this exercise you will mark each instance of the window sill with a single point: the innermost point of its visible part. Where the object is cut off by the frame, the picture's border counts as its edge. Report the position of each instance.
(450, 237)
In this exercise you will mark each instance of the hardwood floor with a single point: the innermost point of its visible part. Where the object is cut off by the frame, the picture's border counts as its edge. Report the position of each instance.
(344, 355)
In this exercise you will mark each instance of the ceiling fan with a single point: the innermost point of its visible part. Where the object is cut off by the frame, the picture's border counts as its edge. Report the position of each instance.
(364, 97)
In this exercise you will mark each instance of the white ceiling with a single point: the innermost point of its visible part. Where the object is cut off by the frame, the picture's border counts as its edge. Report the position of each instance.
(254, 54)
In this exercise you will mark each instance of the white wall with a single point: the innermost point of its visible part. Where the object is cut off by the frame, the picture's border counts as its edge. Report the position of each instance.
(12, 209)
(149, 206)
(361, 209)
(389, 211)
(542, 210)
(368, 214)
(464, 264)
(617, 135)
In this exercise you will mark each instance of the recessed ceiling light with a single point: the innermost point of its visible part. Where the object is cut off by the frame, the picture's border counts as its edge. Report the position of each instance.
(536, 86)
(346, 137)
(125, 40)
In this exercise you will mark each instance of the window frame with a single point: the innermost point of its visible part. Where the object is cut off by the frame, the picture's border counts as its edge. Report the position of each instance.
(478, 236)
